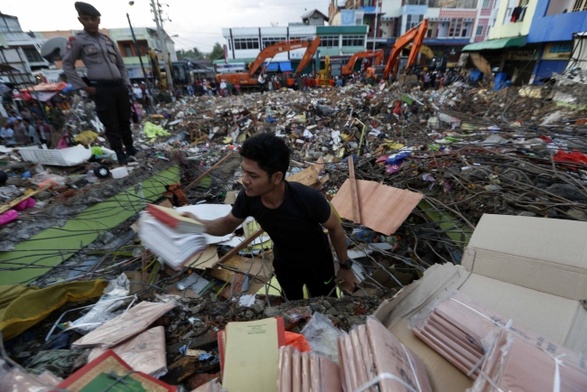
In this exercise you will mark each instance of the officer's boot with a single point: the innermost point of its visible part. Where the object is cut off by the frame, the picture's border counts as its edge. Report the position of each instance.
(121, 157)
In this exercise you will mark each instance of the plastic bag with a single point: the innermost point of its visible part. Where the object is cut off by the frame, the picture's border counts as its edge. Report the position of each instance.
(18, 380)
(113, 298)
(322, 336)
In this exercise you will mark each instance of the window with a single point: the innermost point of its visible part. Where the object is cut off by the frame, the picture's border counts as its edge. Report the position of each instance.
(457, 28)
(353, 40)
(468, 4)
(246, 43)
(329, 41)
(516, 11)
(32, 55)
(580, 5)
(486, 4)
(561, 48)
(268, 41)
(413, 21)
(417, 2)
(359, 15)
(479, 31)
(126, 50)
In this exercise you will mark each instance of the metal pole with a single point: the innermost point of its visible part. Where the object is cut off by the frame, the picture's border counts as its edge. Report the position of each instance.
(134, 40)
(162, 42)
(375, 28)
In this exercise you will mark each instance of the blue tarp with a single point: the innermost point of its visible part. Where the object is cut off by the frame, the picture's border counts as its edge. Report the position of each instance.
(272, 67)
(547, 67)
(285, 66)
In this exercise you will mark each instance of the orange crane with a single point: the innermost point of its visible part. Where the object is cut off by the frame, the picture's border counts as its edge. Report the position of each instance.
(414, 36)
(376, 55)
(250, 79)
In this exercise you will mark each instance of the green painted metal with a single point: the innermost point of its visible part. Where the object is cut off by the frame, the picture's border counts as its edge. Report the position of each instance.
(451, 226)
(36, 256)
(493, 44)
(335, 30)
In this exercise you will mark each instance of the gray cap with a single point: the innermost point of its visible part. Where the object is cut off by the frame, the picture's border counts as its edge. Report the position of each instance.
(86, 9)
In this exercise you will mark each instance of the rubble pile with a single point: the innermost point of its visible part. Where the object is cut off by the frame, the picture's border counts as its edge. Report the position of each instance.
(468, 151)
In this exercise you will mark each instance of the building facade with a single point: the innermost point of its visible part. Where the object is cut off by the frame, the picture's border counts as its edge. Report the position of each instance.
(554, 26)
(147, 42)
(531, 40)
(452, 24)
(19, 53)
(245, 43)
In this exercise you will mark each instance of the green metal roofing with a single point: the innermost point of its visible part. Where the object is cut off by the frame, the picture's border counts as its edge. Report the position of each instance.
(328, 30)
(233, 61)
(493, 44)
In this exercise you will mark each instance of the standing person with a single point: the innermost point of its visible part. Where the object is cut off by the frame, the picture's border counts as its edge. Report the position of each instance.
(7, 135)
(44, 131)
(262, 80)
(108, 81)
(137, 92)
(31, 131)
(20, 132)
(294, 215)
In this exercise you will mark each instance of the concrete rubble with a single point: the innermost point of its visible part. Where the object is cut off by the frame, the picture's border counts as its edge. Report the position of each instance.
(468, 150)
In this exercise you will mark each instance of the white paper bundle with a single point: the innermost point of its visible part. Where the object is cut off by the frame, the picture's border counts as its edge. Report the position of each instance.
(172, 247)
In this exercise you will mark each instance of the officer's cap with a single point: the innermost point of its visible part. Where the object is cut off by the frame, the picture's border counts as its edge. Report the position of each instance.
(86, 9)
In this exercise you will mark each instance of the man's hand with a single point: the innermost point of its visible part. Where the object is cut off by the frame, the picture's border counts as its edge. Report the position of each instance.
(347, 280)
(190, 215)
(90, 90)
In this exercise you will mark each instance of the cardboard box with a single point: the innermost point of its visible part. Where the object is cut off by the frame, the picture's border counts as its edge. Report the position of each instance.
(532, 270)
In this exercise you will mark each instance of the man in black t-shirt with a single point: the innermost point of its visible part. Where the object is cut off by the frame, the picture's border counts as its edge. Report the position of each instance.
(294, 216)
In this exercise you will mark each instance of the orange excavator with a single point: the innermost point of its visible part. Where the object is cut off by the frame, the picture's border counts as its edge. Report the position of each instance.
(248, 79)
(414, 36)
(376, 55)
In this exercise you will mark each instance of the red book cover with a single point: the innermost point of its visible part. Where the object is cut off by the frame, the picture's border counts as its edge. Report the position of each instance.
(110, 372)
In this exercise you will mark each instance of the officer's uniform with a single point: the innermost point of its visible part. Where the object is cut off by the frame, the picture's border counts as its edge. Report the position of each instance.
(107, 73)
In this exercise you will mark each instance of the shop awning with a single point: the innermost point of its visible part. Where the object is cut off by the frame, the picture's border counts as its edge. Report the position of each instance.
(494, 44)
(285, 66)
(272, 67)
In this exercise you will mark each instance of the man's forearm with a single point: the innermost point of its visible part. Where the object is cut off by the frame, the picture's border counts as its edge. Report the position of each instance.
(217, 227)
(338, 240)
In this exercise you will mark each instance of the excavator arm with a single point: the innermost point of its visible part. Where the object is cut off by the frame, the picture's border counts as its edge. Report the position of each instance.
(279, 47)
(377, 55)
(415, 36)
(248, 78)
(308, 54)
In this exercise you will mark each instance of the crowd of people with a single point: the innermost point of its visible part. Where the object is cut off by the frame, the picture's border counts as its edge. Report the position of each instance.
(32, 123)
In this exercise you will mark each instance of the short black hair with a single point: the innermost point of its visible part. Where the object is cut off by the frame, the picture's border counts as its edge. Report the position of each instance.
(269, 151)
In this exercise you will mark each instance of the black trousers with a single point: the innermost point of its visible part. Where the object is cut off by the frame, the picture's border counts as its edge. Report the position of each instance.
(113, 109)
(318, 278)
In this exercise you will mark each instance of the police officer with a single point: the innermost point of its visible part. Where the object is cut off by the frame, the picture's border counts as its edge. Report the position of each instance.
(107, 79)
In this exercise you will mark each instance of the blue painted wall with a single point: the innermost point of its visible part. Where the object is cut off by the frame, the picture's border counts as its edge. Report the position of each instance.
(555, 28)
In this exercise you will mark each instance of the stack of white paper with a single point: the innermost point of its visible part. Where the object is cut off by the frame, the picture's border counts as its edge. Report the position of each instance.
(172, 247)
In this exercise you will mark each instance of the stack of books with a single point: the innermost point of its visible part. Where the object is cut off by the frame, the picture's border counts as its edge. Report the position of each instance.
(370, 355)
(174, 238)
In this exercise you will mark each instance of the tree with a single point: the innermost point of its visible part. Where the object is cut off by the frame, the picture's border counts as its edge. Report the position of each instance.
(193, 53)
(217, 52)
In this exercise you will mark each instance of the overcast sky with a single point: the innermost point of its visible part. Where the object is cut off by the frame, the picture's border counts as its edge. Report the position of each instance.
(197, 23)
